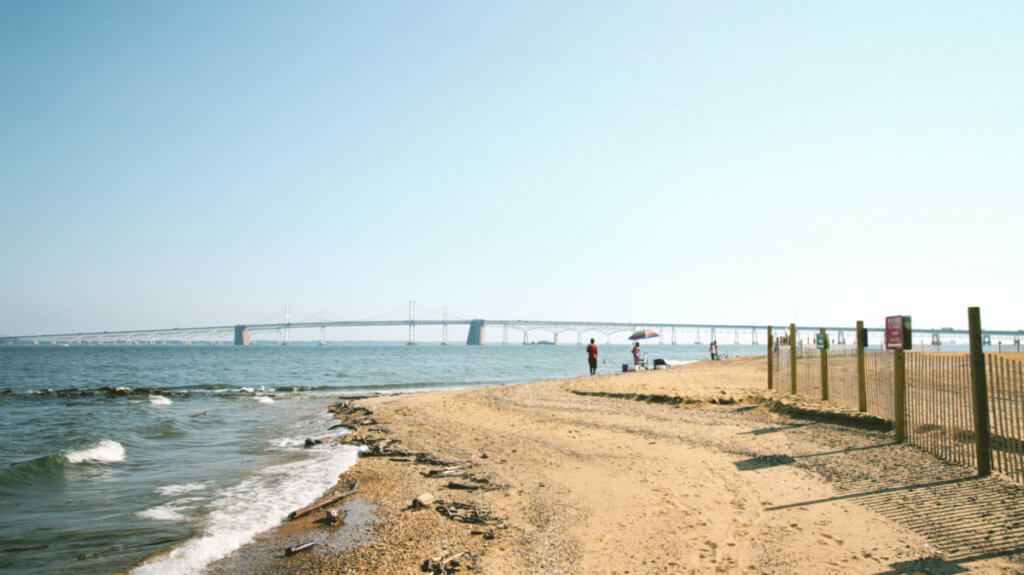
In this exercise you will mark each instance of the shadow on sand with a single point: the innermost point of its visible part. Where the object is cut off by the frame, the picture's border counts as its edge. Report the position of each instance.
(965, 517)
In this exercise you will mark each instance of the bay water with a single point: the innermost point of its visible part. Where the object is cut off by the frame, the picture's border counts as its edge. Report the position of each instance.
(161, 459)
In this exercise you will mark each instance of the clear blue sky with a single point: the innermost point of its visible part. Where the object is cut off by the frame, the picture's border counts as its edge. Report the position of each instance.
(189, 163)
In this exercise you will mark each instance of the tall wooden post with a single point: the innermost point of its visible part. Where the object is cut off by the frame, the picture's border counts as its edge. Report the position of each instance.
(824, 364)
(900, 382)
(862, 387)
(792, 358)
(771, 373)
(979, 385)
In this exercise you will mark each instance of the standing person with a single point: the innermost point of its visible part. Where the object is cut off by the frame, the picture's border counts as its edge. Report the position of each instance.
(714, 349)
(636, 355)
(592, 356)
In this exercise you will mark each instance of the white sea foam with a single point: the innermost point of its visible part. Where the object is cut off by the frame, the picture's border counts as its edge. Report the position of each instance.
(159, 400)
(168, 512)
(105, 451)
(254, 505)
(170, 490)
(287, 442)
(264, 399)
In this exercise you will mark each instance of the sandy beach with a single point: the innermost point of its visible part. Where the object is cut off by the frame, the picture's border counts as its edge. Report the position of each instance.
(694, 469)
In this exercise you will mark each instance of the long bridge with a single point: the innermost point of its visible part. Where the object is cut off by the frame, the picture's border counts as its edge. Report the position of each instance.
(241, 333)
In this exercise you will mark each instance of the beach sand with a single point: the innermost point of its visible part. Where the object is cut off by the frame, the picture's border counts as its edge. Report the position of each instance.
(685, 470)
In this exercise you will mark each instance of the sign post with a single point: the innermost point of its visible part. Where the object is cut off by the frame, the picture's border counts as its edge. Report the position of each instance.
(898, 339)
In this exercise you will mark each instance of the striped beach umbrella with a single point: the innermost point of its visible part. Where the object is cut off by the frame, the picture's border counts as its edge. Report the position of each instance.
(643, 334)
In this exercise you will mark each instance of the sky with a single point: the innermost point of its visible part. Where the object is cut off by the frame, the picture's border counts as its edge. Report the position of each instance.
(206, 163)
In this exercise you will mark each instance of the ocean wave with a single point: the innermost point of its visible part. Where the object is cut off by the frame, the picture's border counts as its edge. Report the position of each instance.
(166, 512)
(264, 399)
(164, 429)
(34, 472)
(159, 400)
(178, 489)
(106, 451)
(256, 504)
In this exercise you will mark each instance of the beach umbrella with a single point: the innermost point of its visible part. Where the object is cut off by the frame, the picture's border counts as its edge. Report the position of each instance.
(643, 334)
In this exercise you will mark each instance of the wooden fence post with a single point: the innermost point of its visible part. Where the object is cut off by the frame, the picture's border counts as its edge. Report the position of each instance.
(979, 385)
(771, 375)
(862, 387)
(792, 358)
(900, 395)
(824, 364)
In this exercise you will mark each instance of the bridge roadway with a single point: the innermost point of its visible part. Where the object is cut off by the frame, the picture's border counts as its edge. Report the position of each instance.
(476, 336)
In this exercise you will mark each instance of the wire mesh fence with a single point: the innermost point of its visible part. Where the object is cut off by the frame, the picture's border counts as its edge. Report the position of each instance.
(939, 397)
(940, 405)
(1006, 414)
(808, 381)
(782, 365)
(842, 376)
(878, 383)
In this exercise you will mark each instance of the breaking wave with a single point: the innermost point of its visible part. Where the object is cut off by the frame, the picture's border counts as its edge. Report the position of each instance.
(105, 451)
(256, 504)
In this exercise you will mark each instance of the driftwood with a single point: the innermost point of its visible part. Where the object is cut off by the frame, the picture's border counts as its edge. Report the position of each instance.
(297, 548)
(310, 442)
(442, 564)
(466, 486)
(466, 513)
(332, 499)
(432, 460)
(352, 428)
(448, 472)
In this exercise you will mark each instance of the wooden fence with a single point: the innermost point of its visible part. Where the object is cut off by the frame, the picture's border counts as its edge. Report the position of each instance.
(940, 415)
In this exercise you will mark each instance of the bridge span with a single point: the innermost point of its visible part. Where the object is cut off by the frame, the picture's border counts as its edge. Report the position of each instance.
(240, 334)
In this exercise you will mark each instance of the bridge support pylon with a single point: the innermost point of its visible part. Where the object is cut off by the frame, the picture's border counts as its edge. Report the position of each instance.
(241, 335)
(476, 332)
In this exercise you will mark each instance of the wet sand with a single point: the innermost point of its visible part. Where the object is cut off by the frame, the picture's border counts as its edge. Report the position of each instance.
(686, 470)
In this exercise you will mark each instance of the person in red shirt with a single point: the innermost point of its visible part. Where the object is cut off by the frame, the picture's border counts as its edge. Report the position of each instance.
(592, 356)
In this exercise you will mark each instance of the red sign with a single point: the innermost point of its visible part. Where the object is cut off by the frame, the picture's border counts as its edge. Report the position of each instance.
(897, 332)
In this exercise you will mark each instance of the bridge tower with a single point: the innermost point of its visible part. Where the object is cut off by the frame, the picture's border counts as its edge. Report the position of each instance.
(287, 325)
(674, 341)
(412, 323)
(477, 334)
(323, 335)
(555, 334)
(696, 337)
(504, 334)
